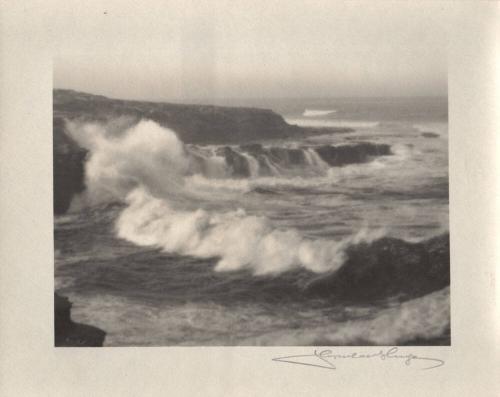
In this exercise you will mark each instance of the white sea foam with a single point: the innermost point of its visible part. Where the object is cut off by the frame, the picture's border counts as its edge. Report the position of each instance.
(317, 113)
(196, 323)
(201, 183)
(238, 239)
(426, 318)
(144, 155)
(314, 159)
(318, 123)
(272, 167)
(253, 164)
(147, 167)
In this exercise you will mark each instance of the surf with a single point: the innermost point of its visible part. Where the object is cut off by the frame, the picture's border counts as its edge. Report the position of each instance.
(147, 168)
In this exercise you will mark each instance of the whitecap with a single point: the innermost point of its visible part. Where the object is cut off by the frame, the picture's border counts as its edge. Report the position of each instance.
(317, 113)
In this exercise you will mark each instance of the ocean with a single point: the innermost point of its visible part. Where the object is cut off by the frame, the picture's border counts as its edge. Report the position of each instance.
(182, 244)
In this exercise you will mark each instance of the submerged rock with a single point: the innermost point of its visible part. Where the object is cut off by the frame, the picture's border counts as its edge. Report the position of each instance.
(69, 333)
(387, 268)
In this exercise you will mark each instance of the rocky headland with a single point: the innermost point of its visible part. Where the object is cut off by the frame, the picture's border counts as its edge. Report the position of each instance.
(196, 124)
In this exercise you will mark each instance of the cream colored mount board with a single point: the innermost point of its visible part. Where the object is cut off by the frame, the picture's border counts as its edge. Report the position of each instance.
(248, 198)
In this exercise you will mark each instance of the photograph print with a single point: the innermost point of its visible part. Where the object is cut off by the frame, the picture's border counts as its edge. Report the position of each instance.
(253, 176)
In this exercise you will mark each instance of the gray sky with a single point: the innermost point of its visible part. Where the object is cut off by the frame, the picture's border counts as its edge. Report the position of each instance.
(177, 50)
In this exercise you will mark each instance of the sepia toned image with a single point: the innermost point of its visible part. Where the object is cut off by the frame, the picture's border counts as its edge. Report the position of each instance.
(254, 180)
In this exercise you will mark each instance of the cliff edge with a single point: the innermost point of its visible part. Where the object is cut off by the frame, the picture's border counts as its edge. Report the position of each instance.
(197, 124)
(193, 123)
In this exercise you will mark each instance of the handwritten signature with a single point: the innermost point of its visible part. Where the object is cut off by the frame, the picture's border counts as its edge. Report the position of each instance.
(325, 358)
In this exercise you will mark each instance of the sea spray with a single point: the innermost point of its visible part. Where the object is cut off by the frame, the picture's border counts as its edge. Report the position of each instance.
(237, 239)
(146, 167)
(143, 296)
(144, 155)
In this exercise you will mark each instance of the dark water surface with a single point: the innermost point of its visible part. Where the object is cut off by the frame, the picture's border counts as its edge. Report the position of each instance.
(198, 255)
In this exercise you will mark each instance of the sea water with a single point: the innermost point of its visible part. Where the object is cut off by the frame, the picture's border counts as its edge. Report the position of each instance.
(168, 246)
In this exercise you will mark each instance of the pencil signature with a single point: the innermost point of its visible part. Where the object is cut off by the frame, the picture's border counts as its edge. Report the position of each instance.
(326, 358)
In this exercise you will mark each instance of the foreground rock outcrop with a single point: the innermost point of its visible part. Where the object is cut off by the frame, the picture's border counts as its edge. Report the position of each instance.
(69, 333)
(388, 268)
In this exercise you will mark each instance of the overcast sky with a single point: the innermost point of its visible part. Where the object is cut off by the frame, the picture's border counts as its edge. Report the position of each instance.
(180, 50)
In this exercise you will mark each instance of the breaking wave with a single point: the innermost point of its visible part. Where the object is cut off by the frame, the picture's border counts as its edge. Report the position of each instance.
(238, 239)
(268, 243)
(149, 169)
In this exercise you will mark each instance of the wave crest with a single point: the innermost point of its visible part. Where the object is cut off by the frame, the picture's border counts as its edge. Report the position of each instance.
(147, 167)
(237, 239)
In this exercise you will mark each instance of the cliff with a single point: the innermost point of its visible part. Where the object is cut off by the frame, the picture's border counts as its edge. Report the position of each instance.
(193, 123)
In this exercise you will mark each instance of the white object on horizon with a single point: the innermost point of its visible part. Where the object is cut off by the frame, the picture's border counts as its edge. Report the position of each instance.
(332, 123)
(316, 113)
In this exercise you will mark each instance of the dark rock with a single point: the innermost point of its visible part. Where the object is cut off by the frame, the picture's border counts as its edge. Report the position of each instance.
(388, 268)
(69, 333)
(253, 148)
(430, 135)
(192, 123)
(287, 157)
(68, 166)
(238, 163)
(351, 154)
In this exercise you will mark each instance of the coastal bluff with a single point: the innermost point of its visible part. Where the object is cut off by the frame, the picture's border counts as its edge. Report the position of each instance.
(194, 124)
(199, 124)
